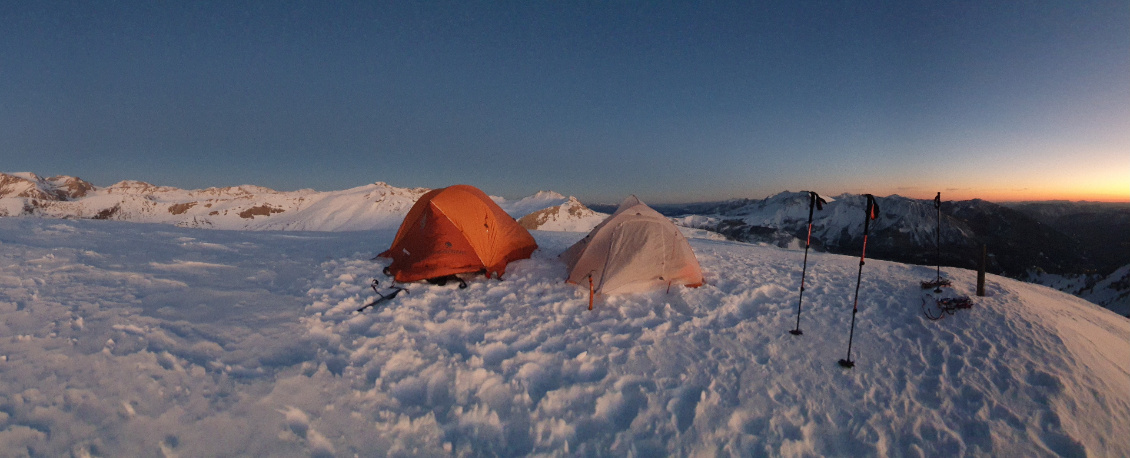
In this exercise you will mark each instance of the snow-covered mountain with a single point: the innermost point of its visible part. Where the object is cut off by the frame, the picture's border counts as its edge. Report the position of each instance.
(1018, 245)
(124, 339)
(905, 231)
(572, 216)
(375, 206)
(30, 186)
(783, 218)
(530, 204)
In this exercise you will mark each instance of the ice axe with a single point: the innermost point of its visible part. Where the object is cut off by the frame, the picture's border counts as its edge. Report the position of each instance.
(383, 298)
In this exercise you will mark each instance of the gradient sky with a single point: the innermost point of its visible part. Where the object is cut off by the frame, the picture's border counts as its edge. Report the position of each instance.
(672, 101)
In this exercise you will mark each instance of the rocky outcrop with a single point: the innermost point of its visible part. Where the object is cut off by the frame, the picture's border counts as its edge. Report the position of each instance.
(261, 210)
(70, 188)
(108, 213)
(178, 209)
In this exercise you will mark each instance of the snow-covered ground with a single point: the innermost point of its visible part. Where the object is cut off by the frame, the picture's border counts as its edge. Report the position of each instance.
(127, 339)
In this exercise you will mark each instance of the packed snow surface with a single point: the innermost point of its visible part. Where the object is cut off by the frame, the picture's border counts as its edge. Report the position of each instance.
(128, 339)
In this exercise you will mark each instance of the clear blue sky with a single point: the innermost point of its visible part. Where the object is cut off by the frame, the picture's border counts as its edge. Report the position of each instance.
(672, 101)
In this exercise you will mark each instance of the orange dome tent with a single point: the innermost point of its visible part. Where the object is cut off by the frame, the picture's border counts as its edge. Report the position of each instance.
(454, 230)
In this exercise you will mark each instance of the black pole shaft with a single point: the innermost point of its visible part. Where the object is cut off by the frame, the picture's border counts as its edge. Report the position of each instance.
(803, 269)
(871, 212)
(804, 266)
(938, 244)
(847, 362)
(981, 270)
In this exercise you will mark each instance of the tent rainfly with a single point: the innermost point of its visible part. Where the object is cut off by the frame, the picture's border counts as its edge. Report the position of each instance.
(635, 249)
(455, 230)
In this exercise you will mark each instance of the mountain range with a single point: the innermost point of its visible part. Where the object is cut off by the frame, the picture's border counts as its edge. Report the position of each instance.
(1079, 248)
(373, 206)
(1075, 247)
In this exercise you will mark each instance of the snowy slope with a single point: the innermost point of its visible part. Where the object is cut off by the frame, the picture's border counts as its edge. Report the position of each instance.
(124, 339)
(375, 206)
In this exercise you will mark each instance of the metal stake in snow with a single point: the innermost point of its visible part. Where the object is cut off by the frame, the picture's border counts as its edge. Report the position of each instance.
(590, 292)
(938, 241)
(872, 211)
(814, 202)
(938, 283)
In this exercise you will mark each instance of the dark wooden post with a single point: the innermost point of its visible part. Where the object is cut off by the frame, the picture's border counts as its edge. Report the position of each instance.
(981, 270)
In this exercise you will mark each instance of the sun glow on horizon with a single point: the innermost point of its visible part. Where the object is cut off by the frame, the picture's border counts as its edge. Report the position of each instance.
(1093, 192)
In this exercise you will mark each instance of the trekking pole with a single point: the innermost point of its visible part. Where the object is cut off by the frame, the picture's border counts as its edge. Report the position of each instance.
(872, 210)
(938, 243)
(814, 202)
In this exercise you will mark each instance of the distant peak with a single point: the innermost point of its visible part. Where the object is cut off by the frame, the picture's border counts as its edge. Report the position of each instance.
(787, 193)
(131, 184)
(72, 187)
(27, 184)
(547, 195)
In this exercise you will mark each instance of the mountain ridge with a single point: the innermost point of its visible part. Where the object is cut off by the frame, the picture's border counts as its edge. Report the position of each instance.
(245, 207)
(1019, 245)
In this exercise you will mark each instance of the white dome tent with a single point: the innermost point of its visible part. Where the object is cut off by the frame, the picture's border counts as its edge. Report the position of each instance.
(635, 249)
